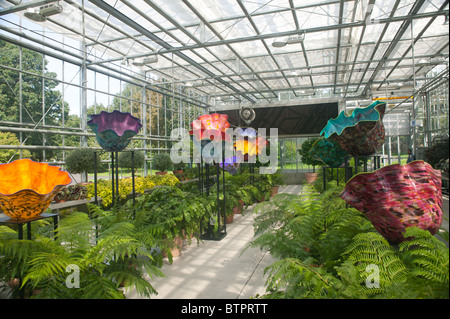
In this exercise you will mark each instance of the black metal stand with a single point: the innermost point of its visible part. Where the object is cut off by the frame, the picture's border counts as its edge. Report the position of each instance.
(8, 220)
(349, 169)
(21, 222)
(115, 178)
(208, 233)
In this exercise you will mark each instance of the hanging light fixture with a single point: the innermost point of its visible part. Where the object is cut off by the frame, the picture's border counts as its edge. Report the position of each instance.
(146, 61)
(298, 38)
(41, 13)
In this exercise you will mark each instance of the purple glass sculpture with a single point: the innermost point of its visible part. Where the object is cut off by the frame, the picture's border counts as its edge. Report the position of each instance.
(249, 132)
(398, 196)
(114, 130)
(232, 164)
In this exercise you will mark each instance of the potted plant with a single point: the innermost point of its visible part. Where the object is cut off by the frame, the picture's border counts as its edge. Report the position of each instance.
(81, 161)
(125, 160)
(178, 168)
(276, 180)
(307, 159)
(71, 192)
(168, 213)
(162, 163)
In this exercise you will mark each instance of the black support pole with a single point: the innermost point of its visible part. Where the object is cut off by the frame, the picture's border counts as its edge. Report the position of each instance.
(117, 176)
(132, 179)
(95, 177)
(112, 176)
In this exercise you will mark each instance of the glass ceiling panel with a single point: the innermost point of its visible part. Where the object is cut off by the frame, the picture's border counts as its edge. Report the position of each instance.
(208, 39)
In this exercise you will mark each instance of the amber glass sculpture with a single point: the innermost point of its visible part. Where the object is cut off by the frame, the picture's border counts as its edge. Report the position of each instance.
(28, 187)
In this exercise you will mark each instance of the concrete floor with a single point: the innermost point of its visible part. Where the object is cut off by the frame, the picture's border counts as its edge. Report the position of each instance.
(218, 269)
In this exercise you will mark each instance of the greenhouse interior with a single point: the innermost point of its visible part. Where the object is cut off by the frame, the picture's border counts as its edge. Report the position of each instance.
(233, 149)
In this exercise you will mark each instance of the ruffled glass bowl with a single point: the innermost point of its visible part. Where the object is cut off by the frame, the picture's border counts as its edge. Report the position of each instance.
(208, 126)
(361, 133)
(398, 196)
(232, 164)
(329, 152)
(114, 130)
(28, 187)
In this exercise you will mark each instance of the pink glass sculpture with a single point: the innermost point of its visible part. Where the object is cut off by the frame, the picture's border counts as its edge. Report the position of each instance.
(207, 128)
(398, 196)
(361, 133)
(28, 187)
(114, 130)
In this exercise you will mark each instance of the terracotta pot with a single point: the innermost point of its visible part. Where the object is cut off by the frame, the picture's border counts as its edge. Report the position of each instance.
(176, 246)
(237, 210)
(274, 191)
(229, 218)
(160, 173)
(310, 177)
(177, 171)
(185, 235)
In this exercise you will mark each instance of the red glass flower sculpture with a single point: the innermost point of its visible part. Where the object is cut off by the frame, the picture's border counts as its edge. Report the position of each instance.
(396, 197)
(210, 125)
(28, 187)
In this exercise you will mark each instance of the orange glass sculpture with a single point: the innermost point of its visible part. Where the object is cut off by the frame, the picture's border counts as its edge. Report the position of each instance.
(28, 187)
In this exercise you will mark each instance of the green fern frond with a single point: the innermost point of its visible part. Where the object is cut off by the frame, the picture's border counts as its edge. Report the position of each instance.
(99, 287)
(427, 256)
(46, 265)
(299, 279)
(371, 249)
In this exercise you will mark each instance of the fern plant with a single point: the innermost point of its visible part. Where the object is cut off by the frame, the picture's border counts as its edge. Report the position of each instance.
(371, 252)
(327, 250)
(105, 260)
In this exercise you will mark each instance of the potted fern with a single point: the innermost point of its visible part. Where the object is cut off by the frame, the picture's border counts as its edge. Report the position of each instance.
(168, 213)
(97, 267)
(162, 163)
(276, 180)
(178, 168)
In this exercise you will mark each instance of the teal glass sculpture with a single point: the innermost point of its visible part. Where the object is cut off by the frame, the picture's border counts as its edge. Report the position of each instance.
(329, 152)
(361, 133)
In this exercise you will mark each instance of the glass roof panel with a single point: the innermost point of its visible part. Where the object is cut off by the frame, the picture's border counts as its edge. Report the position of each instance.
(232, 42)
